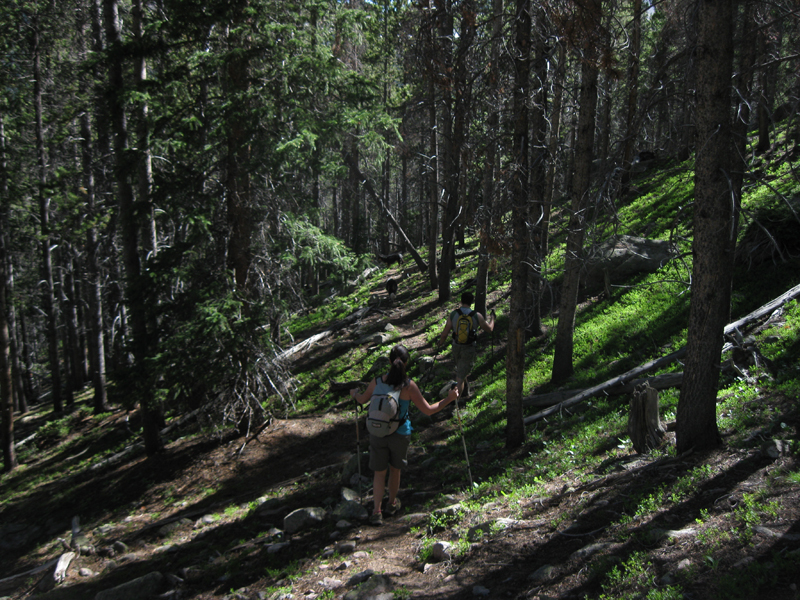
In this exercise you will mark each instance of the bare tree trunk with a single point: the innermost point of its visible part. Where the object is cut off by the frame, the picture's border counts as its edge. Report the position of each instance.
(562, 357)
(145, 159)
(515, 353)
(433, 186)
(448, 150)
(713, 231)
(553, 144)
(6, 395)
(135, 288)
(237, 177)
(492, 134)
(96, 344)
(633, 96)
(48, 289)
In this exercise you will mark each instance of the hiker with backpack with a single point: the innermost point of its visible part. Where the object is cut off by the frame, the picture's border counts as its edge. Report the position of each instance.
(390, 397)
(463, 323)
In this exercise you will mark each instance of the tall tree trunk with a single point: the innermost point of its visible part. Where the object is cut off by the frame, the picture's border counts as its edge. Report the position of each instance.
(6, 395)
(573, 259)
(96, 343)
(145, 159)
(515, 352)
(538, 177)
(19, 399)
(237, 177)
(448, 149)
(490, 162)
(135, 287)
(48, 289)
(553, 143)
(713, 231)
(629, 141)
(433, 183)
(563, 350)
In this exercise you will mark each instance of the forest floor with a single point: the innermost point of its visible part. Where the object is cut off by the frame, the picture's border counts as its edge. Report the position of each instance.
(551, 545)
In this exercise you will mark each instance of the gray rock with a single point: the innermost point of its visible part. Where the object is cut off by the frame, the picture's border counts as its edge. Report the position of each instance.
(349, 495)
(303, 518)
(479, 590)
(144, 587)
(376, 587)
(441, 551)
(350, 471)
(346, 547)
(590, 550)
(350, 511)
(543, 574)
(360, 578)
(623, 256)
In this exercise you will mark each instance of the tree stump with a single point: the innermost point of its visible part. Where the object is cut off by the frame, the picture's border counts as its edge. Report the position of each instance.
(644, 424)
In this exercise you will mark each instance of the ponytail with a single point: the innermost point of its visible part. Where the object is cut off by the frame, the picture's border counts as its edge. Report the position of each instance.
(397, 372)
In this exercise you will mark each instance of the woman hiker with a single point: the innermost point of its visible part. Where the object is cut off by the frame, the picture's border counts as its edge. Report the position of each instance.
(389, 453)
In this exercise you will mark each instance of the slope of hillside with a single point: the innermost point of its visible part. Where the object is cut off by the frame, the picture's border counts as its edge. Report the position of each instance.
(574, 513)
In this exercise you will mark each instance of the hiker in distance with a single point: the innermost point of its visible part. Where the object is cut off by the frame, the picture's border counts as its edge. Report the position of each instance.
(389, 440)
(463, 322)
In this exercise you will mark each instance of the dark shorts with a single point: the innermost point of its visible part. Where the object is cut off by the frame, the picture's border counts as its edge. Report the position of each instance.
(464, 357)
(390, 450)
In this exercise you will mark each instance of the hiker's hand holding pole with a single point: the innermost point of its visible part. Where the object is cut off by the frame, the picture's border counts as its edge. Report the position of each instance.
(354, 396)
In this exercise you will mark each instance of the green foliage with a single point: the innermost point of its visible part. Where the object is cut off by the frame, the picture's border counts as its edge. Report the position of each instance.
(633, 579)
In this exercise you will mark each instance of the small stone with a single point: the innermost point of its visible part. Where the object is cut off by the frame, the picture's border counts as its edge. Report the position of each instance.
(479, 590)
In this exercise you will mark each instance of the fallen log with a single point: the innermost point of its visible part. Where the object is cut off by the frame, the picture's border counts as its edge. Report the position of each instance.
(307, 343)
(9, 584)
(619, 380)
(626, 378)
(659, 382)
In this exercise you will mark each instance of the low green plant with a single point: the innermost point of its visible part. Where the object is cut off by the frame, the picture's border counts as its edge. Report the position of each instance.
(401, 593)
(633, 579)
(750, 512)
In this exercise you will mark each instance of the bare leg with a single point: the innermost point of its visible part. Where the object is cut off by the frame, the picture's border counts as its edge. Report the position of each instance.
(378, 487)
(394, 483)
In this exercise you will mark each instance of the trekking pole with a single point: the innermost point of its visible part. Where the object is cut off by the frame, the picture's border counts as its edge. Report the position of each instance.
(464, 443)
(358, 456)
(494, 321)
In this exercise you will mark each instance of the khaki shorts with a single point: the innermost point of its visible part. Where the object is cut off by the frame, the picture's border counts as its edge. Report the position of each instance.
(389, 450)
(464, 356)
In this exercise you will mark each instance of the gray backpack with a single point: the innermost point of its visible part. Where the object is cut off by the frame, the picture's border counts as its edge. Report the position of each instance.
(383, 415)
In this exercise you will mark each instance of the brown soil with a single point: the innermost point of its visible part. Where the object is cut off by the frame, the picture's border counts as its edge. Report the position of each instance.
(299, 459)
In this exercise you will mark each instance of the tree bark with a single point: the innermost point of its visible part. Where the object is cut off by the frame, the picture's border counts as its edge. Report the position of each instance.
(563, 350)
(135, 288)
(515, 351)
(712, 245)
(490, 166)
(95, 341)
(6, 391)
(433, 172)
(448, 149)
(48, 289)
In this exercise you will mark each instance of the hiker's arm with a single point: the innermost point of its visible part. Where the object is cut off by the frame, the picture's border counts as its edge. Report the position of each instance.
(487, 326)
(429, 409)
(365, 396)
(447, 327)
